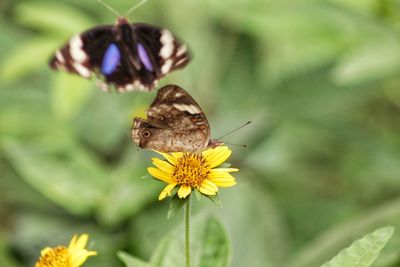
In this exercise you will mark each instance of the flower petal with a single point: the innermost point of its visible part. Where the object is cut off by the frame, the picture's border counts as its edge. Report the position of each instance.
(177, 155)
(224, 182)
(45, 251)
(82, 241)
(73, 241)
(163, 165)
(184, 191)
(212, 151)
(224, 170)
(79, 257)
(165, 177)
(169, 157)
(218, 156)
(208, 188)
(166, 191)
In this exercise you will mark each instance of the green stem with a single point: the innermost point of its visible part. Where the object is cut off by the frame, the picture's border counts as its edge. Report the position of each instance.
(187, 233)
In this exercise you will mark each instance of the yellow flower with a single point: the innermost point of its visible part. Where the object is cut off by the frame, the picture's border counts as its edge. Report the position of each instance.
(73, 256)
(193, 171)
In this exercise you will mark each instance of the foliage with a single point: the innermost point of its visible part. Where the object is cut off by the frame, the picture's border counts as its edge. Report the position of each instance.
(319, 79)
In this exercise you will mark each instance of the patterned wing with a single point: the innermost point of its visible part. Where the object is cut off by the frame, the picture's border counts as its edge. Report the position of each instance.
(83, 53)
(175, 122)
(125, 56)
(166, 52)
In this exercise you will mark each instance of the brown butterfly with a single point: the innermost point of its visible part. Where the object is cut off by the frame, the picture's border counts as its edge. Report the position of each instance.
(175, 123)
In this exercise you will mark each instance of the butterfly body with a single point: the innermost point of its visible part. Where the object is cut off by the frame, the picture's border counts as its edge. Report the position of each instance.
(175, 123)
(125, 56)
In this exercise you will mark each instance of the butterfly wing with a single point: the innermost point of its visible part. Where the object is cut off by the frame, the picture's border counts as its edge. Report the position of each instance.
(166, 51)
(126, 56)
(175, 122)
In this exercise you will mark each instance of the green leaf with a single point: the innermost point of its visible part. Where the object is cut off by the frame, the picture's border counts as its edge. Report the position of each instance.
(147, 176)
(375, 60)
(215, 248)
(70, 93)
(52, 17)
(175, 205)
(131, 261)
(62, 171)
(15, 64)
(215, 199)
(209, 245)
(5, 258)
(127, 194)
(363, 252)
(197, 194)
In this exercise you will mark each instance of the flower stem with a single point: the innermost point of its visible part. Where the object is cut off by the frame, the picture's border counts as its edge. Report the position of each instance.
(187, 233)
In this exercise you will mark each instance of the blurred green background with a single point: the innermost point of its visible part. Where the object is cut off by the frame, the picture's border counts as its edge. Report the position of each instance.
(319, 79)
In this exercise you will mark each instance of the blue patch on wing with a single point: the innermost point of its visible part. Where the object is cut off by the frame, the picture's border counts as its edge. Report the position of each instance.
(144, 57)
(111, 60)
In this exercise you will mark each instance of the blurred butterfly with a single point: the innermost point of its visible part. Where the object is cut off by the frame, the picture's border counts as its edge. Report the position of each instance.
(175, 123)
(126, 56)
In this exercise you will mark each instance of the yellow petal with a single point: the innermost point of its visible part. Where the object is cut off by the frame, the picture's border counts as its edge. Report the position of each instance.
(208, 188)
(212, 151)
(224, 170)
(216, 174)
(177, 155)
(163, 165)
(82, 241)
(184, 191)
(224, 182)
(166, 191)
(222, 179)
(160, 175)
(73, 242)
(218, 157)
(79, 257)
(45, 251)
(169, 157)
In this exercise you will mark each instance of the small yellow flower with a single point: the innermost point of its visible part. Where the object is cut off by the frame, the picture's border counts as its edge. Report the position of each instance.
(73, 256)
(193, 171)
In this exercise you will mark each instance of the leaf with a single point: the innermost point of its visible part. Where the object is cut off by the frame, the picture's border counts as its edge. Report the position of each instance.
(62, 171)
(375, 60)
(15, 64)
(209, 245)
(131, 261)
(127, 194)
(216, 249)
(5, 258)
(325, 245)
(215, 199)
(198, 194)
(175, 205)
(52, 17)
(363, 252)
(70, 93)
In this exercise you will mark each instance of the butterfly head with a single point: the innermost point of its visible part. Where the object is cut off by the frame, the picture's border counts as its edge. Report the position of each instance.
(213, 143)
(122, 21)
(140, 132)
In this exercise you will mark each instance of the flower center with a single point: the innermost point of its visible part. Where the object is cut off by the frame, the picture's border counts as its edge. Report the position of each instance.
(54, 257)
(191, 169)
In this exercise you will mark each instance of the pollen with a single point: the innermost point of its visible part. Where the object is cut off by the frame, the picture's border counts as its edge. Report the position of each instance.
(191, 170)
(54, 257)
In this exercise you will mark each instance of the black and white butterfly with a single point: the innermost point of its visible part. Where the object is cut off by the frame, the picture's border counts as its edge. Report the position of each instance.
(125, 56)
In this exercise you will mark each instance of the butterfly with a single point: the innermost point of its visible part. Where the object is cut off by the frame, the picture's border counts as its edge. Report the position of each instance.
(175, 123)
(125, 56)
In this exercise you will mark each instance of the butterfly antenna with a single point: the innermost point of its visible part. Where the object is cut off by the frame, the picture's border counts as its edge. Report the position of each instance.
(234, 130)
(241, 145)
(109, 8)
(134, 7)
